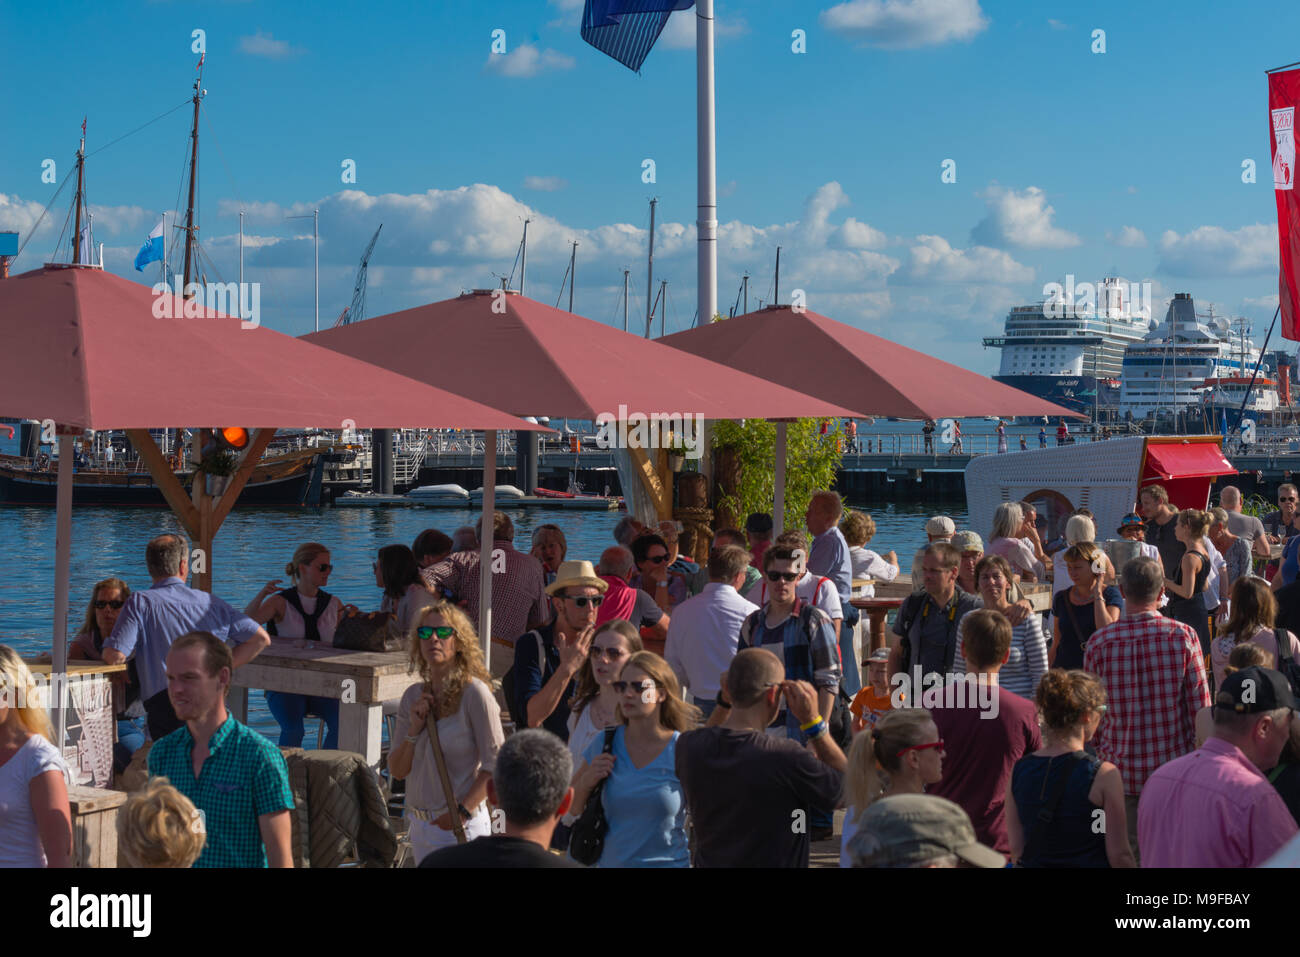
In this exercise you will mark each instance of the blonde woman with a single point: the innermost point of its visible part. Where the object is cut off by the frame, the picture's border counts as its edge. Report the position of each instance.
(106, 601)
(1008, 525)
(303, 611)
(858, 528)
(642, 796)
(594, 705)
(159, 826)
(455, 689)
(1079, 529)
(1186, 591)
(36, 823)
(902, 754)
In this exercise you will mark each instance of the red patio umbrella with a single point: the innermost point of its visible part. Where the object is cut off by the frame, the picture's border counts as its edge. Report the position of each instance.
(83, 348)
(525, 356)
(850, 367)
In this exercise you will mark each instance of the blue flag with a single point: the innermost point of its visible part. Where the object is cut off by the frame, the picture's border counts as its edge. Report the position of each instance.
(152, 250)
(627, 29)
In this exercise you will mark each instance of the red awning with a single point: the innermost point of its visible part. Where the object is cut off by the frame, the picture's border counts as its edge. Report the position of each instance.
(1167, 461)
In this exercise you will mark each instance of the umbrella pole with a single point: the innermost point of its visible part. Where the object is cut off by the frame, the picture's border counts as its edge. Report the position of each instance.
(778, 506)
(62, 567)
(486, 542)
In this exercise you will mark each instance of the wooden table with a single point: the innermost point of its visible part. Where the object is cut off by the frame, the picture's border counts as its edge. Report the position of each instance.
(877, 610)
(94, 825)
(1039, 593)
(91, 724)
(361, 681)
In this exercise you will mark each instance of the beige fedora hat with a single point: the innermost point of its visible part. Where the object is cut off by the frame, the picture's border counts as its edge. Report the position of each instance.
(574, 574)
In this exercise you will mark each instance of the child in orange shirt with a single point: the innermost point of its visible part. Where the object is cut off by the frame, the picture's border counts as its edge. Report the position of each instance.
(874, 699)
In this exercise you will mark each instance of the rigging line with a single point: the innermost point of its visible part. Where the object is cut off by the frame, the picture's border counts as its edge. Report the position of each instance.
(561, 295)
(47, 208)
(220, 153)
(62, 232)
(139, 128)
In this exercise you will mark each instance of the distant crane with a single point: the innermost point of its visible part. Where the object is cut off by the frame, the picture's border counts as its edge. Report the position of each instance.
(357, 310)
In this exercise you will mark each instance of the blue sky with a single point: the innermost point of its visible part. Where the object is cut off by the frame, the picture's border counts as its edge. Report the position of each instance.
(1126, 162)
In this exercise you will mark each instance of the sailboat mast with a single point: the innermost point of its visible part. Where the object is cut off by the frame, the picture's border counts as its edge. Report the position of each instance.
(194, 167)
(625, 272)
(573, 265)
(81, 184)
(776, 281)
(523, 258)
(650, 273)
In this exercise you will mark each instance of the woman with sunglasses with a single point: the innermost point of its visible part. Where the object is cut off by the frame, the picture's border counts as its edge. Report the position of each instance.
(642, 797)
(303, 612)
(902, 754)
(455, 690)
(1062, 779)
(1027, 659)
(594, 705)
(651, 554)
(105, 604)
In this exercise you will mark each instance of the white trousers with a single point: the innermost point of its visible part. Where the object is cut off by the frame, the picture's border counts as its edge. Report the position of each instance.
(426, 837)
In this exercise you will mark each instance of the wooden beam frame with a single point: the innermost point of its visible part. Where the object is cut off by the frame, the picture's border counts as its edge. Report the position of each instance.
(166, 480)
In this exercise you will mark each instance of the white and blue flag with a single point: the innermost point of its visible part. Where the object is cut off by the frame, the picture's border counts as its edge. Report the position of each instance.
(152, 250)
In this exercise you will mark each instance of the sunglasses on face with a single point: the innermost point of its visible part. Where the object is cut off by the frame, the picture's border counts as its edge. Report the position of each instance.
(1287, 498)
(425, 632)
(784, 576)
(613, 654)
(640, 687)
(582, 600)
(114, 604)
(325, 568)
(657, 559)
(923, 747)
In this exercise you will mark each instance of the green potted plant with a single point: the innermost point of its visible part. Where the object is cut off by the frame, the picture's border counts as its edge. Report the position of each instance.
(217, 469)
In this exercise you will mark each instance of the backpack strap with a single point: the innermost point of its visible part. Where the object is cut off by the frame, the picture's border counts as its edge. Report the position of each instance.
(1048, 811)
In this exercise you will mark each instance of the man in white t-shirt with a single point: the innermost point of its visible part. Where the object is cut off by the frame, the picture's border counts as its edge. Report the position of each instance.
(810, 589)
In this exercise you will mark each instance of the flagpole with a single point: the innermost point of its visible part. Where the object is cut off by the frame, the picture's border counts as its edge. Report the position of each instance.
(707, 187)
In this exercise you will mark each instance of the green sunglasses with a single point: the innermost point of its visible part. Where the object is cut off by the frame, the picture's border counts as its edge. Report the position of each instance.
(443, 633)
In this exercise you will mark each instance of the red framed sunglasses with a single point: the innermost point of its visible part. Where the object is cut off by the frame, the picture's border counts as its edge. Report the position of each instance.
(922, 747)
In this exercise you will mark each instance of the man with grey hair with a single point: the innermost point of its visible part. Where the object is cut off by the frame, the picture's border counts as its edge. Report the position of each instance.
(627, 529)
(1155, 682)
(918, 830)
(1242, 525)
(530, 786)
(1215, 807)
(152, 619)
(464, 539)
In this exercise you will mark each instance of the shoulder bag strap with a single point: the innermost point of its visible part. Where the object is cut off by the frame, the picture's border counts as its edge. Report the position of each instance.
(1048, 811)
(449, 795)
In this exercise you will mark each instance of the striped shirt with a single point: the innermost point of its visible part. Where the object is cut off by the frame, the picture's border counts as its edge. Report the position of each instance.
(243, 777)
(1155, 682)
(1027, 661)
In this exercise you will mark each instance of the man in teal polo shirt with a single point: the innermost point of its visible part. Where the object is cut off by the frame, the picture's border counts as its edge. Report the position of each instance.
(235, 777)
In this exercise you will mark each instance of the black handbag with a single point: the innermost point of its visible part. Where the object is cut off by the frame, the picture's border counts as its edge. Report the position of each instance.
(587, 841)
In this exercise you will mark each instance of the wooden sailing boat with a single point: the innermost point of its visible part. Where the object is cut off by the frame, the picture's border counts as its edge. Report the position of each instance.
(291, 478)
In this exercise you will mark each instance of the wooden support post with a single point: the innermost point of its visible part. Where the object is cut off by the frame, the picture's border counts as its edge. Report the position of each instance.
(651, 478)
(261, 438)
(166, 480)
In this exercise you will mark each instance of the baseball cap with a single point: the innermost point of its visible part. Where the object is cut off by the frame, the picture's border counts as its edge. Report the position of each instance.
(1131, 520)
(910, 829)
(967, 541)
(940, 525)
(1253, 690)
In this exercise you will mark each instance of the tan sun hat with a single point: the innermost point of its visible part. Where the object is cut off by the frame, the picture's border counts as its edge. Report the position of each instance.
(576, 574)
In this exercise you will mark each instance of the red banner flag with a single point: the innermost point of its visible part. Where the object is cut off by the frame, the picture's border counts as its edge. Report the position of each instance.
(1283, 99)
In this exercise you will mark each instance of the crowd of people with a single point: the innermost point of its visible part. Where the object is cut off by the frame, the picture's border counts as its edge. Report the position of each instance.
(651, 711)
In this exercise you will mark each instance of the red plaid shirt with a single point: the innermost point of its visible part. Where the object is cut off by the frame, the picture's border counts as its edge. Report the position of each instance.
(518, 593)
(1155, 683)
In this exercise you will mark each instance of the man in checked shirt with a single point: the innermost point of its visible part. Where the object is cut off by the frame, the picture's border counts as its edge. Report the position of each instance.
(1155, 683)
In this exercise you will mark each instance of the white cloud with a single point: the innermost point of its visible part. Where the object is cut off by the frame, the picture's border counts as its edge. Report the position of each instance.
(1267, 303)
(20, 215)
(545, 184)
(119, 219)
(265, 45)
(1020, 218)
(679, 31)
(1215, 251)
(1057, 24)
(905, 24)
(570, 13)
(526, 60)
(1127, 236)
(933, 259)
(859, 235)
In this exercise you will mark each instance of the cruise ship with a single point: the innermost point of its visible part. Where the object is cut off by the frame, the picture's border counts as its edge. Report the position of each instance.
(1194, 364)
(1069, 349)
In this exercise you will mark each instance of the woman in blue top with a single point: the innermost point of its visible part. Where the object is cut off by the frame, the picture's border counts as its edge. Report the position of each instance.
(642, 797)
